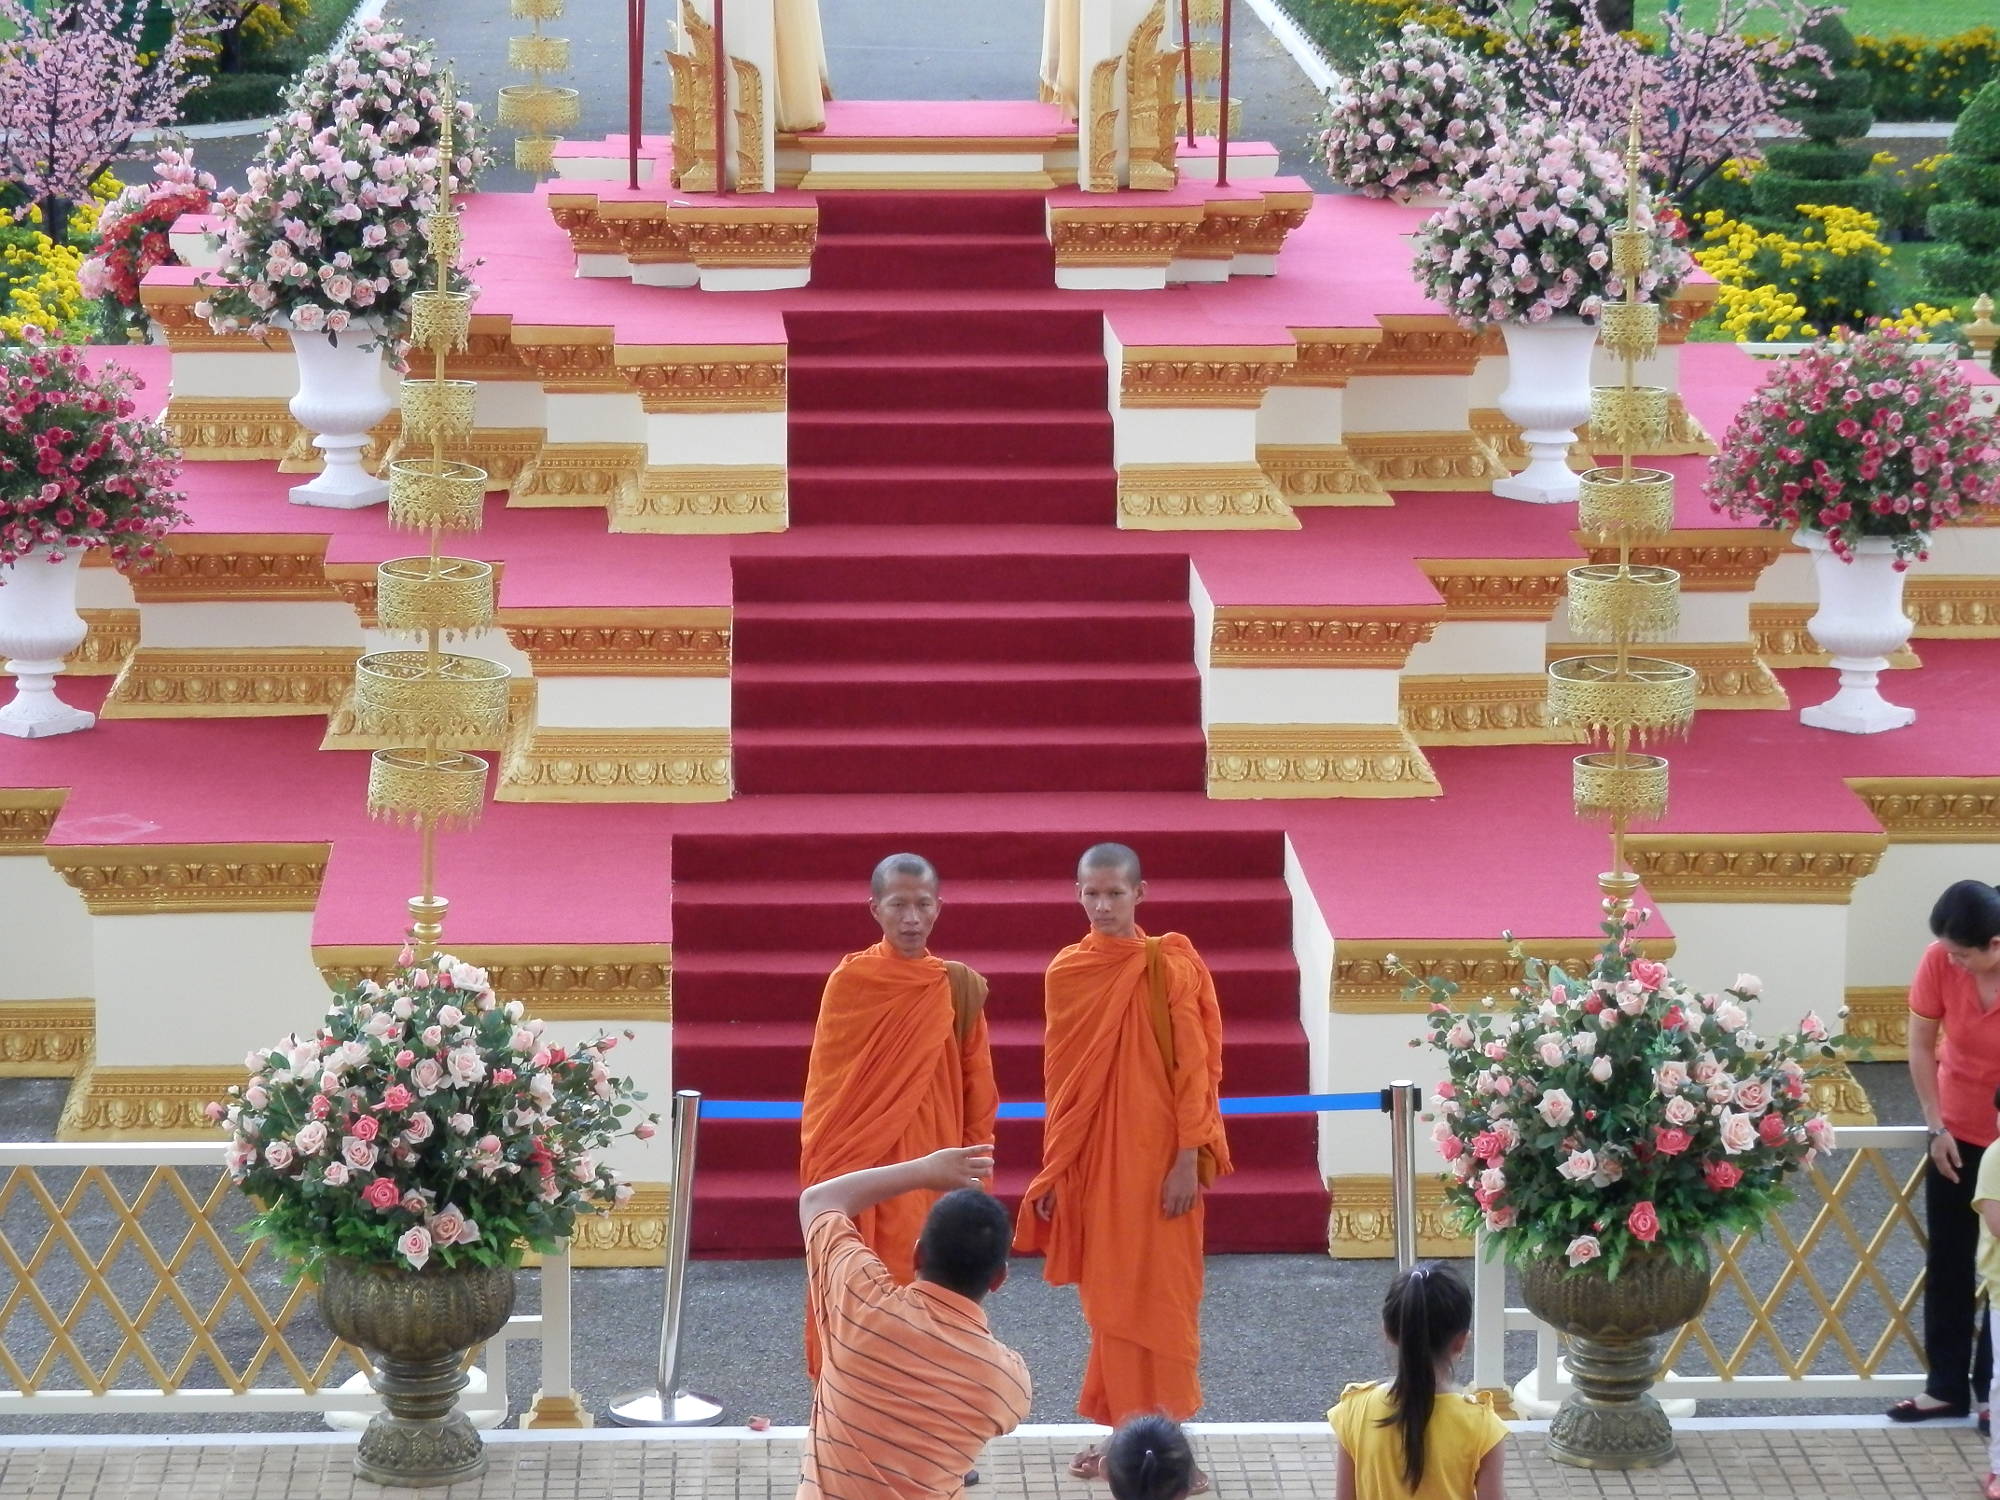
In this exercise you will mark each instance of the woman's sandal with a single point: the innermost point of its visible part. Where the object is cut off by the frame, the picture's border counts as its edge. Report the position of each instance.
(1088, 1464)
(1907, 1410)
(1992, 1490)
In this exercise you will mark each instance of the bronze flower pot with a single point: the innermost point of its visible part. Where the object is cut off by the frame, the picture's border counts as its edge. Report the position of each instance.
(416, 1327)
(1611, 1421)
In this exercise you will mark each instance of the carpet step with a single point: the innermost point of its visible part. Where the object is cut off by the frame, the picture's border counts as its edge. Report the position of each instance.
(1020, 853)
(877, 494)
(850, 213)
(976, 631)
(996, 695)
(969, 330)
(900, 382)
(933, 262)
(1121, 758)
(971, 437)
(1017, 577)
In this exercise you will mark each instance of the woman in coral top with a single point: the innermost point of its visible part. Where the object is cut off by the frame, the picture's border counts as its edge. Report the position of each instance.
(1956, 992)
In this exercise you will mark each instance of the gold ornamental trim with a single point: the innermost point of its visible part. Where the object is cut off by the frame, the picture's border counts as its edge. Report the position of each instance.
(1785, 869)
(687, 642)
(1933, 809)
(1426, 460)
(172, 307)
(1361, 1221)
(1316, 760)
(610, 982)
(237, 567)
(26, 816)
(1953, 608)
(1330, 357)
(1223, 377)
(580, 476)
(1880, 1015)
(45, 1038)
(1601, 787)
(126, 880)
(230, 682)
(303, 458)
(633, 1233)
(571, 361)
(144, 1104)
(618, 765)
(577, 215)
(697, 133)
(702, 499)
(693, 378)
(111, 636)
(1783, 639)
(1424, 344)
(1103, 126)
(1839, 1094)
(1320, 474)
(1246, 635)
(1151, 76)
(1148, 236)
(1706, 565)
(1364, 986)
(749, 114)
(1498, 588)
(1489, 709)
(750, 236)
(1200, 497)
(229, 429)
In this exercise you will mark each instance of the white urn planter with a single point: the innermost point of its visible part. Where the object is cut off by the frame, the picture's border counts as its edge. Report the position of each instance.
(1859, 622)
(39, 626)
(1548, 397)
(341, 396)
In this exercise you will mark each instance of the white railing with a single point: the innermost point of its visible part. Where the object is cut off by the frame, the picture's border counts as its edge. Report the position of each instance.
(126, 1285)
(1822, 1270)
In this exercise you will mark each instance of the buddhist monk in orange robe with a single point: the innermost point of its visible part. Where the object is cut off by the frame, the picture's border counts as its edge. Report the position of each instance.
(1131, 1139)
(900, 1064)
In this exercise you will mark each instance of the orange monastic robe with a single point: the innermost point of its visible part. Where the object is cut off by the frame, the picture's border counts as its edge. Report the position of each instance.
(1116, 1121)
(888, 1080)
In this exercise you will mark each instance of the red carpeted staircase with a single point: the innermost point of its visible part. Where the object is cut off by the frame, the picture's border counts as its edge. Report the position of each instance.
(760, 919)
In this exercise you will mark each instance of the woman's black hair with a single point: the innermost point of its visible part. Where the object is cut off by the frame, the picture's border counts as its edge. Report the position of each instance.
(1967, 915)
(1149, 1459)
(1426, 1311)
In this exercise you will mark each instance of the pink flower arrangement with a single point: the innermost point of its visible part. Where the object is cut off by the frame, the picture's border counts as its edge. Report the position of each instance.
(1528, 238)
(132, 234)
(1419, 117)
(1579, 1121)
(1859, 437)
(473, 1151)
(79, 467)
(328, 233)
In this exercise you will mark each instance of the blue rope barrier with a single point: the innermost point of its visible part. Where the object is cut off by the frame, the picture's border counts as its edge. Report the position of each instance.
(1248, 1104)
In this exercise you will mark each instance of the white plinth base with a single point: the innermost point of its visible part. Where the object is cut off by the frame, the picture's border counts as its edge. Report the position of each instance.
(1534, 489)
(485, 1418)
(50, 718)
(754, 278)
(360, 497)
(1111, 278)
(1868, 713)
(1532, 1410)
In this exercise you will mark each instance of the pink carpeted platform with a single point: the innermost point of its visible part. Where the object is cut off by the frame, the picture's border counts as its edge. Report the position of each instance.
(947, 119)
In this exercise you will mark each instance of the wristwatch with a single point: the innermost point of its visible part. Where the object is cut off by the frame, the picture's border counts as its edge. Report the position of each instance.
(1935, 1132)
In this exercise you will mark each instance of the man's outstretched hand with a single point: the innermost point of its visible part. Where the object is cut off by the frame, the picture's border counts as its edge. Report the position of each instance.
(958, 1167)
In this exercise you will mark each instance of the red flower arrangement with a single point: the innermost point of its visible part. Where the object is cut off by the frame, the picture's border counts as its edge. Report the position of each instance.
(79, 467)
(132, 236)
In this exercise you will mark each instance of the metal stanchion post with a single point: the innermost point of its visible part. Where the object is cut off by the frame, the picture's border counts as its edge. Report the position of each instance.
(1399, 1103)
(669, 1405)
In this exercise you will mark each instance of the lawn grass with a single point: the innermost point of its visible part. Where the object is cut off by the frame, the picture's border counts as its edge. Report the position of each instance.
(1931, 18)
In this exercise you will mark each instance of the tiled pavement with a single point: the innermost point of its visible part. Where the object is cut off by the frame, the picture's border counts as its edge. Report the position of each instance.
(1795, 1462)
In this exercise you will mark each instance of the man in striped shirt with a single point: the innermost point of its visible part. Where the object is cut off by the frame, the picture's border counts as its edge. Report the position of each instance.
(912, 1383)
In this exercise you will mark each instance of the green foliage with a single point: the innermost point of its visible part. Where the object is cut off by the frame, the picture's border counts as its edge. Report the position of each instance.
(235, 96)
(1976, 137)
(272, 52)
(1960, 272)
(1818, 160)
(1976, 226)
(1925, 78)
(1967, 259)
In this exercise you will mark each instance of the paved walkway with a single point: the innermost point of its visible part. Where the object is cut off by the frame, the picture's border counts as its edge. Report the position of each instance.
(1778, 1462)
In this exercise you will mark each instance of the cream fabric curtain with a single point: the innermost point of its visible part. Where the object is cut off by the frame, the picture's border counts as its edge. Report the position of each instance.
(801, 66)
(1061, 41)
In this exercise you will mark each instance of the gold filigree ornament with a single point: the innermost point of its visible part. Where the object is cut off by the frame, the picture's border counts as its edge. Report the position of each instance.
(535, 154)
(1614, 505)
(443, 234)
(438, 409)
(1635, 789)
(538, 107)
(537, 10)
(1604, 695)
(435, 696)
(1630, 250)
(442, 790)
(538, 54)
(451, 595)
(433, 492)
(1630, 328)
(441, 322)
(1608, 602)
(1629, 418)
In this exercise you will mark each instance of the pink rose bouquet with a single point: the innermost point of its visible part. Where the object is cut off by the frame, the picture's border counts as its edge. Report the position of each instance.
(426, 1122)
(1419, 117)
(1861, 437)
(328, 234)
(1528, 238)
(1594, 1116)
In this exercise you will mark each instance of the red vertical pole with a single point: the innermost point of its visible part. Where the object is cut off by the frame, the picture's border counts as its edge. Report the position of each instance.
(1222, 107)
(635, 86)
(1187, 67)
(721, 106)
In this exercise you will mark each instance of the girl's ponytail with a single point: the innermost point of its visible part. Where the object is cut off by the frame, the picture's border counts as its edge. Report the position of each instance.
(1149, 1459)
(1427, 1310)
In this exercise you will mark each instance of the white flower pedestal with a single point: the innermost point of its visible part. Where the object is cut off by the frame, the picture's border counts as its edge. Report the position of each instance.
(1859, 622)
(341, 396)
(1548, 397)
(39, 626)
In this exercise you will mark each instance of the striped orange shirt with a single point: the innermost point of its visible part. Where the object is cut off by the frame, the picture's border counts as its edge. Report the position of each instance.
(912, 1383)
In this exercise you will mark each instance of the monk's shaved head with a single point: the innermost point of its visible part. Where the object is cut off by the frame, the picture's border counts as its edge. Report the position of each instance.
(1119, 857)
(913, 865)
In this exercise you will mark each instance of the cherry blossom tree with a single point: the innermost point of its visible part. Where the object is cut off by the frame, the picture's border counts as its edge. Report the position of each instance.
(1703, 94)
(75, 89)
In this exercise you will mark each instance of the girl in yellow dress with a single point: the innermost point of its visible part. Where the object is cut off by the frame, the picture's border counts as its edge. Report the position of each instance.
(1417, 1438)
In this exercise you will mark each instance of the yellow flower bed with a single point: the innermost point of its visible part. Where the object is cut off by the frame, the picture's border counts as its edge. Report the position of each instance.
(39, 277)
(1775, 287)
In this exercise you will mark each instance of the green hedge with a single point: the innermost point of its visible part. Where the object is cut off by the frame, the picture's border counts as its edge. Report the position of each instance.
(267, 71)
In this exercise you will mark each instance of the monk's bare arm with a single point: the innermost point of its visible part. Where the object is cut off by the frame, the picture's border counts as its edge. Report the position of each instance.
(856, 1192)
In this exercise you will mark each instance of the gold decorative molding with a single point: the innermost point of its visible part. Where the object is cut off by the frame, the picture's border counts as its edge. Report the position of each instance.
(1489, 709)
(1783, 640)
(665, 642)
(1246, 635)
(617, 983)
(749, 126)
(26, 816)
(1880, 1015)
(577, 476)
(1265, 233)
(631, 1234)
(489, 353)
(1316, 760)
(1424, 344)
(572, 361)
(1426, 460)
(1764, 869)
(1320, 474)
(144, 1104)
(1151, 236)
(1222, 377)
(644, 233)
(1330, 357)
(697, 164)
(1947, 608)
(1200, 497)
(1509, 446)
(1706, 566)
(577, 215)
(1933, 809)
(230, 682)
(757, 233)
(1836, 1091)
(172, 307)
(230, 429)
(125, 880)
(1363, 985)
(1361, 1221)
(1150, 79)
(1104, 126)
(111, 636)
(617, 765)
(1728, 674)
(1688, 305)
(1498, 588)
(691, 378)
(384, 443)
(236, 567)
(45, 1038)
(702, 499)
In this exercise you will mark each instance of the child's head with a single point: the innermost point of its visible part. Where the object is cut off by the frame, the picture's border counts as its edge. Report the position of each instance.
(1427, 1316)
(1149, 1459)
